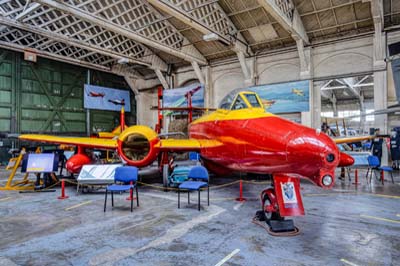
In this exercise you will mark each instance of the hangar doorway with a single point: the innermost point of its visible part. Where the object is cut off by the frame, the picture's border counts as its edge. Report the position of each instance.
(346, 103)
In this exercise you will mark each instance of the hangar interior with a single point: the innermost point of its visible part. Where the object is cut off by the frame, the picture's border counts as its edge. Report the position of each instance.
(51, 49)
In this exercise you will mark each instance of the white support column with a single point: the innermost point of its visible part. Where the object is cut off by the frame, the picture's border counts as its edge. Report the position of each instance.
(334, 105)
(162, 79)
(380, 72)
(208, 89)
(362, 112)
(305, 59)
(248, 79)
(315, 105)
(131, 83)
(198, 72)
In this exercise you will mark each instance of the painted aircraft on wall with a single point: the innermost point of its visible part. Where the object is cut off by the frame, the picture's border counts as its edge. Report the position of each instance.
(96, 94)
(117, 102)
(239, 136)
(298, 92)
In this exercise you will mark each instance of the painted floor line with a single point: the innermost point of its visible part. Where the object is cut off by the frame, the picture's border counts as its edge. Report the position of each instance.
(380, 219)
(233, 253)
(237, 206)
(136, 225)
(398, 215)
(348, 262)
(383, 195)
(4, 199)
(78, 205)
(327, 194)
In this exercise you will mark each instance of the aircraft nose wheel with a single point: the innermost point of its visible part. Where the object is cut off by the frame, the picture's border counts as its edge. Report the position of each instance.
(276, 224)
(269, 210)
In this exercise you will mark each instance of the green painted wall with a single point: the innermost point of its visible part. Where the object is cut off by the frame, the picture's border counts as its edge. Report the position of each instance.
(47, 97)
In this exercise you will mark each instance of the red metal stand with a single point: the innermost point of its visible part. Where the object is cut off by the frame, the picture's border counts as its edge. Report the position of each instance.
(241, 192)
(383, 177)
(356, 177)
(159, 124)
(131, 193)
(63, 196)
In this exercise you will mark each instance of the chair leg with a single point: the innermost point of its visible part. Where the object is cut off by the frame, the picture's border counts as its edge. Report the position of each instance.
(105, 201)
(137, 196)
(112, 198)
(199, 201)
(179, 198)
(366, 176)
(188, 197)
(131, 193)
(208, 195)
(391, 175)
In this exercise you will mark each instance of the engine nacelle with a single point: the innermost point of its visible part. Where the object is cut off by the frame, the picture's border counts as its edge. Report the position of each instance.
(76, 162)
(136, 145)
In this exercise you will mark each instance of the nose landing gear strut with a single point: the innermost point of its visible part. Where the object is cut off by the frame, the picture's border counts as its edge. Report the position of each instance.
(281, 199)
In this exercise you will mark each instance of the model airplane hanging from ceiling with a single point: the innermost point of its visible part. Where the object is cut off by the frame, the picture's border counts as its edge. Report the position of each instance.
(241, 136)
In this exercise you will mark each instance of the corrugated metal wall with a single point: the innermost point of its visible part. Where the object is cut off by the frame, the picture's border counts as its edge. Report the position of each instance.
(47, 97)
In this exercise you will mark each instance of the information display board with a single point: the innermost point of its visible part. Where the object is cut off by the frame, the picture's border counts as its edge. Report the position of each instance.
(40, 163)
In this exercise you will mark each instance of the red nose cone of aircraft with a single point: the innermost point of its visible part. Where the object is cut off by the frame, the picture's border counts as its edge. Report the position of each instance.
(75, 163)
(314, 155)
(345, 160)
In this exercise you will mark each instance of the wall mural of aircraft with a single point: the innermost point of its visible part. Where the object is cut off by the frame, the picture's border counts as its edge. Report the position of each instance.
(117, 102)
(96, 94)
(246, 139)
(298, 92)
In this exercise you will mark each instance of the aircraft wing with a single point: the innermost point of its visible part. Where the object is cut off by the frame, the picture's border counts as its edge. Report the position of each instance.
(78, 141)
(340, 140)
(186, 144)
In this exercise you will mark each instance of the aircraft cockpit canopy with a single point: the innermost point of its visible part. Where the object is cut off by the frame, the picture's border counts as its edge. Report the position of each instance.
(240, 99)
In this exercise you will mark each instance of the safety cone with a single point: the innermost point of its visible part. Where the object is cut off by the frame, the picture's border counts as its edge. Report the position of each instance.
(63, 196)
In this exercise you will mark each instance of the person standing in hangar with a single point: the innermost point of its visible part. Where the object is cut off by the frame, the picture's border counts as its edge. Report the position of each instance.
(377, 146)
(395, 148)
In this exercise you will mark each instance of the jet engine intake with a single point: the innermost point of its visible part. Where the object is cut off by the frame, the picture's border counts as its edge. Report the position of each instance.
(136, 145)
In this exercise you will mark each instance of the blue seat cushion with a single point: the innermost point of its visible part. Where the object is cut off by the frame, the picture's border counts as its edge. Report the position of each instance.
(386, 168)
(192, 185)
(115, 187)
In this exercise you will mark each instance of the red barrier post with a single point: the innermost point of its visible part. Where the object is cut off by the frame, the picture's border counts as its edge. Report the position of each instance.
(63, 196)
(240, 192)
(356, 177)
(131, 193)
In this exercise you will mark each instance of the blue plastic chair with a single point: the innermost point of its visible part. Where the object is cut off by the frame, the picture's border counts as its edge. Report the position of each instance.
(125, 175)
(199, 176)
(374, 164)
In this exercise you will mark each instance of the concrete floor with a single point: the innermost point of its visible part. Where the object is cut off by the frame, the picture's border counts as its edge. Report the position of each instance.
(343, 226)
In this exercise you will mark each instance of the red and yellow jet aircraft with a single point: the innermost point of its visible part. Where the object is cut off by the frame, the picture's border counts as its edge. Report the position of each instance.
(239, 136)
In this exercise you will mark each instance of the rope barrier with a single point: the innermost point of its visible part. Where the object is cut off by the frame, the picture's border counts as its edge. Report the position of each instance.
(49, 187)
(256, 182)
(71, 182)
(173, 188)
